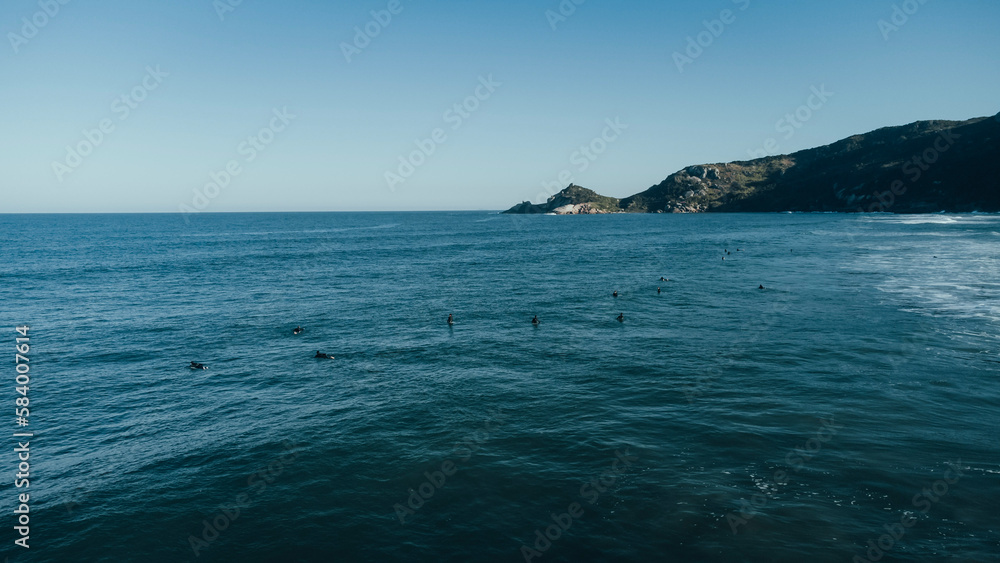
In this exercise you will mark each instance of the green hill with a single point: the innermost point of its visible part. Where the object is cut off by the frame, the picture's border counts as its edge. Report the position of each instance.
(926, 166)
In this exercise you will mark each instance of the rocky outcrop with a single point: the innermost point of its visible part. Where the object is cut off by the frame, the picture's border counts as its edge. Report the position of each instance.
(703, 172)
(578, 209)
(574, 200)
(681, 207)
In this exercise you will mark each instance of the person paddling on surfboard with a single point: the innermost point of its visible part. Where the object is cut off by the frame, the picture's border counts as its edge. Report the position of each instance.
(535, 320)
(196, 365)
(297, 330)
(621, 317)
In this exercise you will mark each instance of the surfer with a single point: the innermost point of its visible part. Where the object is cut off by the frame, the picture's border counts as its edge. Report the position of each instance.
(615, 294)
(535, 320)
(297, 330)
(451, 320)
(761, 286)
(196, 365)
(322, 356)
(657, 291)
(621, 317)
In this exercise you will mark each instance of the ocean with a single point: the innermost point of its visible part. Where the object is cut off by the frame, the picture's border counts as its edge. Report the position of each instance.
(848, 411)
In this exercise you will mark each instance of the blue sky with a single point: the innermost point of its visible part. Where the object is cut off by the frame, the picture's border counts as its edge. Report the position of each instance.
(210, 76)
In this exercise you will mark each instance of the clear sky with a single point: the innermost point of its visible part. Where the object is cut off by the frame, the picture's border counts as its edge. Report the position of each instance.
(201, 77)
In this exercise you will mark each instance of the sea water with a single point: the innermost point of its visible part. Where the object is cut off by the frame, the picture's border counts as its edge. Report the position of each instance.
(810, 420)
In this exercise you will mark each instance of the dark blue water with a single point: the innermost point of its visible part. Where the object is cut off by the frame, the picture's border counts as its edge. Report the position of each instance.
(728, 423)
